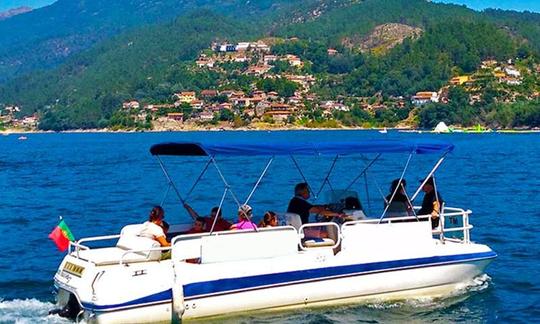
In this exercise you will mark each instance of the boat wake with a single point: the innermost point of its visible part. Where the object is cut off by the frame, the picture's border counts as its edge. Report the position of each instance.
(22, 311)
(460, 293)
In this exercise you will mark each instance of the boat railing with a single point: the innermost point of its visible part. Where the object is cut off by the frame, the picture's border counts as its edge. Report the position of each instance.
(79, 246)
(453, 221)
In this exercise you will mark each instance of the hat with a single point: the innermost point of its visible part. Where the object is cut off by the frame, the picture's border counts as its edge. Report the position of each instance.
(246, 209)
(428, 181)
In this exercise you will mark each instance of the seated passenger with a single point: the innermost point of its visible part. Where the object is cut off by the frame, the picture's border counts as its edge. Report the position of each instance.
(165, 227)
(269, 220)
(198, 226)
(399, 197)
(244, 219)
(221, 224)
(153, 227)
(299, 204)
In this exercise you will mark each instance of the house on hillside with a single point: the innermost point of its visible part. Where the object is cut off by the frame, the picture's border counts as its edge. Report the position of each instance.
(185, 96)
(258, 70)
(332, 52)
(512, 72)
(30, 121)
(242, 47)
(424, 97)
(176, 116)
(460, 80)
(206, 94)
(132, 104)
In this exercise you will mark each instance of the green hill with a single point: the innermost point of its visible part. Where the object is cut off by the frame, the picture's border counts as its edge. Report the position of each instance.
(149, 63)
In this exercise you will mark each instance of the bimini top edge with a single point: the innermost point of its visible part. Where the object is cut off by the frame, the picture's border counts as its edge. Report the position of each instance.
(269, 148)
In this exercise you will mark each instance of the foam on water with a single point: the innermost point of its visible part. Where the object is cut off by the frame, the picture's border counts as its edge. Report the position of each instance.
(22, 311)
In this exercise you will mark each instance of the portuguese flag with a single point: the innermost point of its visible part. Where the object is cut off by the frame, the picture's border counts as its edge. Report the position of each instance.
(61, 236)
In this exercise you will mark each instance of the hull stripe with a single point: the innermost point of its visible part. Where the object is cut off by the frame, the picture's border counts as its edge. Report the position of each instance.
(231, 285)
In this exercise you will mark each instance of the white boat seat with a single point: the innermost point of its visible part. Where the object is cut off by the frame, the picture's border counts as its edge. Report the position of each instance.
(314, 242)
(293, 220)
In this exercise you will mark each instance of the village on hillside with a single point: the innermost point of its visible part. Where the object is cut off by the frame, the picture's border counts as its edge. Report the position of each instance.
(280, 94)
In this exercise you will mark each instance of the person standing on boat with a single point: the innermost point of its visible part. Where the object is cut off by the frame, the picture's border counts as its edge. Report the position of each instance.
(299, 204)
(221, 224)
(245, 213)
(431, 205)
(153, 227)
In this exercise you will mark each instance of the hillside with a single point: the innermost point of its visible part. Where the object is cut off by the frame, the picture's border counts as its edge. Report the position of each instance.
(14, 12)
(48, 36)
(424, 46)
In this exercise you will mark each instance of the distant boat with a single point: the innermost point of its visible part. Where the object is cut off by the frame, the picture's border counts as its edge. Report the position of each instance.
(383, 131)
(22, 138)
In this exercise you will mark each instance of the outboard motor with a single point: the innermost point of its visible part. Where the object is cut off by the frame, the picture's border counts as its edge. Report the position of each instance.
(70, 310)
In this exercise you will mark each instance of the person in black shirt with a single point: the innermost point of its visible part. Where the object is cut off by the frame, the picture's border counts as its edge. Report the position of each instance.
(431, 205)
(299, 204)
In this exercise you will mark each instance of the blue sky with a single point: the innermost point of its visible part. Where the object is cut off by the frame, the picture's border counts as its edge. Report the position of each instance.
(9, 4)
(521, 5)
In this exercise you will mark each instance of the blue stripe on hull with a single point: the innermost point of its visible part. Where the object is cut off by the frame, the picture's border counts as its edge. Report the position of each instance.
(229, 285)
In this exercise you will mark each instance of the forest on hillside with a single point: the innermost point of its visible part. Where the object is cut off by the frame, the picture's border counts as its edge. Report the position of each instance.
(150, 63)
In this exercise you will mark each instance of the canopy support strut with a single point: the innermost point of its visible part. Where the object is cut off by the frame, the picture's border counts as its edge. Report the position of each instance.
(397, 188)
(219, 209)
(198, 178)
(227, 186)
(327, 178)
(430, 174)
(171, 183)
(259, 180)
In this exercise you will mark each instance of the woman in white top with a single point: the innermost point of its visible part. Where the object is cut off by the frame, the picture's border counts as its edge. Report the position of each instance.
(153, 227)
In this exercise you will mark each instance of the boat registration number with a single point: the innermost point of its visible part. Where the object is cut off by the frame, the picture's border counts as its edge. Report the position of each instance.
(73, 269)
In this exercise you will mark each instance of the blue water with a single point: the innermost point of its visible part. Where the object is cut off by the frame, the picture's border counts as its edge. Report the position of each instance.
(100, 182)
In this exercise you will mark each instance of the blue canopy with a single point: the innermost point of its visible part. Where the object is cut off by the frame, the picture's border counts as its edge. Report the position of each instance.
(269, 148)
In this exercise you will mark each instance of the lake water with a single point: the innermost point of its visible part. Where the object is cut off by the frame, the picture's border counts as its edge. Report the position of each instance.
(100, 182)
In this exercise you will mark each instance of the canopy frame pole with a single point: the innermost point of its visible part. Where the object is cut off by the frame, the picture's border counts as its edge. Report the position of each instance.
(397, 188)
(363, 172)
(171, 183)
(227, 186)
(260, 179)
(411, 205)
(327, 178)
(219, 209)
(300, 171)
(166, 194)
(367, 192)
(198, 178)
(430, 174)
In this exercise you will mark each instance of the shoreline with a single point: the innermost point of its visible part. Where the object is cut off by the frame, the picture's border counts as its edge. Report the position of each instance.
(16, 131)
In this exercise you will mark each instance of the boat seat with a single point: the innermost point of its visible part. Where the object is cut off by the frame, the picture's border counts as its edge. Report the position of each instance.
(293, 220)
(129, 240)
(315, 242)
(397, 209)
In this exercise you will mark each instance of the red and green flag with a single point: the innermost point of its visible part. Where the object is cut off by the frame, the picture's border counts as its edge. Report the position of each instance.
(61, 236)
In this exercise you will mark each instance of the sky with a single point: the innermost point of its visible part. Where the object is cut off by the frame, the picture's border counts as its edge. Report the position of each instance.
(10, 4)
(520, 5)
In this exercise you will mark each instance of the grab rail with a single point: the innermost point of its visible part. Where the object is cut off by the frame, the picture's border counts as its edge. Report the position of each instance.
(464, 214)
(78, 244)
